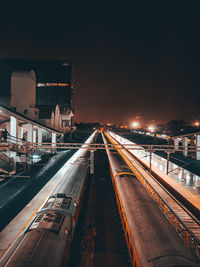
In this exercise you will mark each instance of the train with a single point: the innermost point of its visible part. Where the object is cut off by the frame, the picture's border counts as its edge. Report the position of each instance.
(150, 239)
(46, 241)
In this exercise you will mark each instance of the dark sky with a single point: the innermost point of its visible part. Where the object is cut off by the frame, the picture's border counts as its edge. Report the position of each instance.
(138, 59)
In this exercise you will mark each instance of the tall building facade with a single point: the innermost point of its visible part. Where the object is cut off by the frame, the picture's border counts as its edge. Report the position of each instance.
(23, 93)
(52, 81)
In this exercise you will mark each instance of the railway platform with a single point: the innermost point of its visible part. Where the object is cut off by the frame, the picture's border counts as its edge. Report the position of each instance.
(178, 158)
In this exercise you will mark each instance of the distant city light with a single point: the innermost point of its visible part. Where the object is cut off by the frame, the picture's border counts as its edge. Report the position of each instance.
(65, 64)
(151, 128)
(197, 124)
(135, 124)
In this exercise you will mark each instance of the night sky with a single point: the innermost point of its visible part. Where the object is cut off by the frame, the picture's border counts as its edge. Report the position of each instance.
(129, 60)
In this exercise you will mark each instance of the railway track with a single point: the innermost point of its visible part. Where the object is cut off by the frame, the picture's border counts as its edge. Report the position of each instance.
(185, 223)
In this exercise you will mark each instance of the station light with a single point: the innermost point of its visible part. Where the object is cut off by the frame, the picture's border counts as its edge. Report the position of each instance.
(35, 156)
(135, 124)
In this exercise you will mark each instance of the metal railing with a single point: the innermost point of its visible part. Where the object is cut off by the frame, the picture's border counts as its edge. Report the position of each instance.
(151, 148)
(185, 233)
(148, 148)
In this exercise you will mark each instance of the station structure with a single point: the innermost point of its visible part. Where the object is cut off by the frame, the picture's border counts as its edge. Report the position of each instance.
(35, 106)
(187, 141)
(39, 89)
(21, 132)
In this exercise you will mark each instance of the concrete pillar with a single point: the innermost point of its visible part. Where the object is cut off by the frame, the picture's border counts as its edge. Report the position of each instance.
(185, 145)
(39, 135)
(176, 144)
(53, 139)
(192, 143)
(29, 132)
(34, 136)
(13, 129)
(20, 134)
(198, 147)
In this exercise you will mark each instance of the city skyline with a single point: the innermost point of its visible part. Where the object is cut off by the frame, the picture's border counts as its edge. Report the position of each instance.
(128, 60)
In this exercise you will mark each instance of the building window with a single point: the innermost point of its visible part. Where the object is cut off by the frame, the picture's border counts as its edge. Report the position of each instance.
(36, 112)
(52, 84)
(26, 111)
(41, 84)
(65, 123)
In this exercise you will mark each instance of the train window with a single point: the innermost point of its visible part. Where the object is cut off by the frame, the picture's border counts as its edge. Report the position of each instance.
(60, 195)
(58, 218)
(66, 203)
(51, 221)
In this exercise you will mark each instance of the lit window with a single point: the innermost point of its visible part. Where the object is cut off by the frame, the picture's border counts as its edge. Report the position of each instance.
(63, 84)
(65, 64)
(51, 84)
(40, 84)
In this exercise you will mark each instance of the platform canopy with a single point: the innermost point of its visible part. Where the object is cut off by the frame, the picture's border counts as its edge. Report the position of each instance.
(6, 114)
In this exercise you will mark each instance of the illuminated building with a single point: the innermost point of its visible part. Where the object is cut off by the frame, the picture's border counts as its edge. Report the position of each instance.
(41, 84)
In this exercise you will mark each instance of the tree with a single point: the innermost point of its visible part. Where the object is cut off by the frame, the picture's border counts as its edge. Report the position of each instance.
(176, 127)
